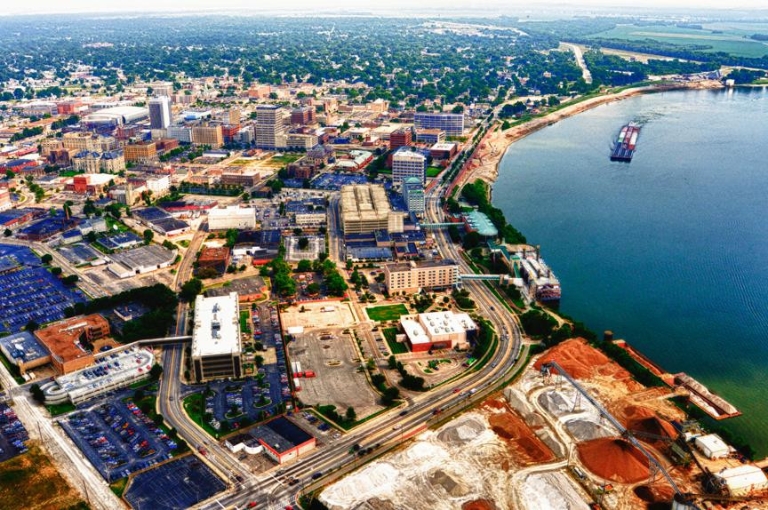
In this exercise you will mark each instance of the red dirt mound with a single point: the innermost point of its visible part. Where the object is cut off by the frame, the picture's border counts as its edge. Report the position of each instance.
(614, 459)
(519, 438)
(479, 504)
(641, 419)
(654, 493)
(581, 361)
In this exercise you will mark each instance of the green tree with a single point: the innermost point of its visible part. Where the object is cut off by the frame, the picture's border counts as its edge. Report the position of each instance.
(351, 415)
(313, 289)
(148, 236)
(303, 243)
(56, 271)
(37, 393)
(191, 289)
(46, 259)
(31, 326)
(305, 266)
(155, 371)
(7, 232)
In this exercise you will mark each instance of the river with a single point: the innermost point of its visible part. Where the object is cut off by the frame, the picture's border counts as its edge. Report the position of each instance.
(669, 251)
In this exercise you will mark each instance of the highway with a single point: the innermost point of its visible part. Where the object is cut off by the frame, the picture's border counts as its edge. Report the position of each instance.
(332, 460)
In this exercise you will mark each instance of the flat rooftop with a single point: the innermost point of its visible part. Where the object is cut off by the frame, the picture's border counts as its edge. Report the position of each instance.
(440, 323)
(414, 331)
(217, 326)
(23, 346)
(281, 434)
(144, 256)
(63, 338)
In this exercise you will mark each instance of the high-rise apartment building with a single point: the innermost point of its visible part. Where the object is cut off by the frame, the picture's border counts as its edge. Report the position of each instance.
(407, 163)
(270, 125)
(413, 195)
(451, 123)
(160, 112)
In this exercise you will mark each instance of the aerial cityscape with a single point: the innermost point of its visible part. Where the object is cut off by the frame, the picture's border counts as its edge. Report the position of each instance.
(404, 257)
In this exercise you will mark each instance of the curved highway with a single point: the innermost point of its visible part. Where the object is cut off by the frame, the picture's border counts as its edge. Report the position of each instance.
(386, 431)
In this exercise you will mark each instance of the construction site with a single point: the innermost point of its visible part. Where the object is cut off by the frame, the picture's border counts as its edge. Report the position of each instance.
(575, 431)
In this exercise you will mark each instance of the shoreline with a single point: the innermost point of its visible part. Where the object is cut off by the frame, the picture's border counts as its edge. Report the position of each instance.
(500, 141)
(488, 171)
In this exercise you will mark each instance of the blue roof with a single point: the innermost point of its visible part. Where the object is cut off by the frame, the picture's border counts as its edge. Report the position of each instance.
(481, 223)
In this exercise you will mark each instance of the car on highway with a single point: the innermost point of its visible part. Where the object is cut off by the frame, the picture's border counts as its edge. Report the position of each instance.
(397, 427)
(317, 475)
(403, 412)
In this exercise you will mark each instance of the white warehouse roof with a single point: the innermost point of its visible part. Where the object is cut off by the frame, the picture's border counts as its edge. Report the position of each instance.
(743, 477)
(217, 326)
(712, 445)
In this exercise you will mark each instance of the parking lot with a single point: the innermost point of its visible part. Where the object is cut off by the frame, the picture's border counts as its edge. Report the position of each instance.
(118, 438)
(334, 181)
(13, 435)
(176, 485)
(33, 294)
(333, 358)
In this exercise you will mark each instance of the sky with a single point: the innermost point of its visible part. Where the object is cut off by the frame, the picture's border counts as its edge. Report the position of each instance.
(394, 6)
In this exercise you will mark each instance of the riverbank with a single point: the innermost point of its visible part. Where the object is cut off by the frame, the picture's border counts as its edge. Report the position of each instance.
(499, 141)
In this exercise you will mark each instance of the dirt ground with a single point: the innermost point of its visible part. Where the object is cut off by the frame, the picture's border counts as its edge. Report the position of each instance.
(339, 315)
(31, 482)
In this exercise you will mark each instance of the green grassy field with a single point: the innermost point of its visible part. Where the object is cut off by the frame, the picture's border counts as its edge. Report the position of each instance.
(433, 171)
(386, 313)
(731, 40)
(394, 346)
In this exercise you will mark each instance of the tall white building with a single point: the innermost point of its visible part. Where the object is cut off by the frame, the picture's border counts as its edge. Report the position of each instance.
(216, 349)
(271, 125)
(406, 163)
(232, 217)
(160, 112)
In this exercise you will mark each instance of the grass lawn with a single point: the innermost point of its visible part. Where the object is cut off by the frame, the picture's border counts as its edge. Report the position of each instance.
(244, 319)
(386, 313)
(394, 346)
(194, 405)
(285, 158)
(12, 369)
(434, 171)
(58, 409)
(31, 481)
(119, 486)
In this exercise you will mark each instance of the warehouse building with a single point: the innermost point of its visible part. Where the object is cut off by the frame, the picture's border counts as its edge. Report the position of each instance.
(712, 446)
(242, 218)
(438, 330)
(410, 277)
(365, 208)
(141, 260)
(742, 480)
(216, 338)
